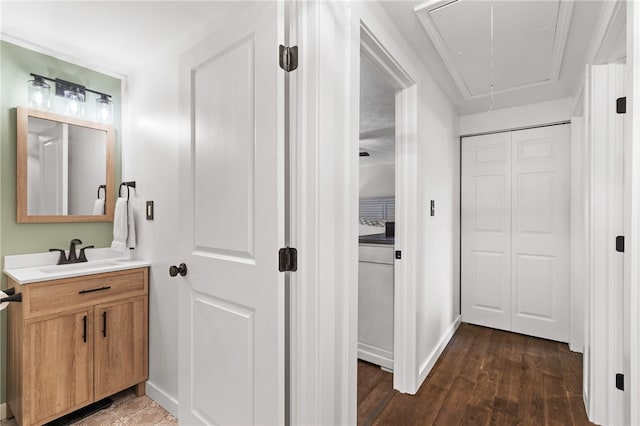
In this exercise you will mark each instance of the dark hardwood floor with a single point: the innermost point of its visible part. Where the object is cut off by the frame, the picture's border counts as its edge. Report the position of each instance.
(484, 377)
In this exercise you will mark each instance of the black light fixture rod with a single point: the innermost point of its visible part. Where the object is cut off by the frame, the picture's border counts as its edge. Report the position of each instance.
(43, 77)
(97, 93)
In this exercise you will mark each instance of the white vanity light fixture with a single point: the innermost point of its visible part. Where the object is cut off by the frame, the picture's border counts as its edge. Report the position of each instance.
(104, 109)
(38, 92)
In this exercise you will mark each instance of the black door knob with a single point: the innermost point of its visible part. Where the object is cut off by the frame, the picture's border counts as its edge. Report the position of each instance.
(175, 270)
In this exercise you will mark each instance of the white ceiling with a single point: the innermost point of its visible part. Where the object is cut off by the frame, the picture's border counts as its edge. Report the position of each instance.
(523, 53)
(113, 36)
(119, 36)
(377, 115)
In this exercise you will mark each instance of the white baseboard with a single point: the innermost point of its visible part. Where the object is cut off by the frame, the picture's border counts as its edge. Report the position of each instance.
(166, 401)
(576, 348)
(375, 355)
(587, 406)
(428, 364)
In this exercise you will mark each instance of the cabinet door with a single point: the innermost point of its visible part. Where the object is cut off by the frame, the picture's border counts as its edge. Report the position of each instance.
(120, 345)
(375, 305)
(59, 365)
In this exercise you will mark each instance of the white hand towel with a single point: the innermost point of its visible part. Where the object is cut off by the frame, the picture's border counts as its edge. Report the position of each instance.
(131, 235)
(98, 207)
(120, 225)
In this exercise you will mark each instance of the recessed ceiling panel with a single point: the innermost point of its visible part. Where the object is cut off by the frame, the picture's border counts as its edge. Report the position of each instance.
(507, 44)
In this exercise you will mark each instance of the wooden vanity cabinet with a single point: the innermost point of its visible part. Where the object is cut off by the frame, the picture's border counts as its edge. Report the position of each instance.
(119, 346)
(63, 356)
(59, 364)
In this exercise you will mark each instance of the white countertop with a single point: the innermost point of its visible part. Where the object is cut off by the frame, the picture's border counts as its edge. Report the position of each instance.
(37, 267)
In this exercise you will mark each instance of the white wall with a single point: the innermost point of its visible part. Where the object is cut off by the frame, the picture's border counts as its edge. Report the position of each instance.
(438, 236)
(377, 181)
(521, 116)
(150, 157)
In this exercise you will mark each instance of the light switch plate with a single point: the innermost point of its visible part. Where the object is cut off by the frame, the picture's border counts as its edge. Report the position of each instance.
(149, 210)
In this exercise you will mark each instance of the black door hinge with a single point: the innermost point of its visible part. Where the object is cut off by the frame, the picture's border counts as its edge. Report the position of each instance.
(620, 243)
(288, 58)
(398, 254)
(621, 105)
(620, 381)
(287, 259)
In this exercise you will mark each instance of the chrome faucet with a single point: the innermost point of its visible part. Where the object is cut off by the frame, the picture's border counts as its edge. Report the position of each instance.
(73, 256)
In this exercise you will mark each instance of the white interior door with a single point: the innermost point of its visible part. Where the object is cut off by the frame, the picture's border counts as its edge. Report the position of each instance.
(515, 231)
(232, 217)
(540, 246)
(486, 230)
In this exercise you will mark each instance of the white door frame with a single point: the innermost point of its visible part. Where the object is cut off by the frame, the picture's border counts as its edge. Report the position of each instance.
(578, 233)
(632, 219)
(404, 328)
(604, 336)
(324, 173)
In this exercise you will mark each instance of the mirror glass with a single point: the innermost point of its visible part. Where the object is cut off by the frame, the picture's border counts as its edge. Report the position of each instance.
(64, 165)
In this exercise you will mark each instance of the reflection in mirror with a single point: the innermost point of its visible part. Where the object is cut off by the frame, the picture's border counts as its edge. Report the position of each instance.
(65, 166)
(65, 169)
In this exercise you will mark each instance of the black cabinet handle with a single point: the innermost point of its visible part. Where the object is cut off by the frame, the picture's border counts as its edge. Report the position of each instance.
(104, 324)
(94, 289)
(84, 329)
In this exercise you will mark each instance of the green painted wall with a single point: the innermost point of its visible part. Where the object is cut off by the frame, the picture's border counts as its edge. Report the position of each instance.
(16, 64)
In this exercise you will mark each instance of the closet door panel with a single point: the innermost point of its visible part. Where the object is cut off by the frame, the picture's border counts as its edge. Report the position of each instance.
(540, 232)
(486, 230)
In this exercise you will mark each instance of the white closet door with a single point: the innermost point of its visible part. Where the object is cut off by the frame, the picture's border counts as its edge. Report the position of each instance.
(540, 232)
(486, 230)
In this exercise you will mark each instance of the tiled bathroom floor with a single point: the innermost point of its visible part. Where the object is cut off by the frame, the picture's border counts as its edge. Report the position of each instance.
(127, 409)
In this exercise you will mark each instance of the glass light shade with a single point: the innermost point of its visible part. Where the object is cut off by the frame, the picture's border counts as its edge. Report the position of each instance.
(38, 92)
(74, 103)
(104, 110)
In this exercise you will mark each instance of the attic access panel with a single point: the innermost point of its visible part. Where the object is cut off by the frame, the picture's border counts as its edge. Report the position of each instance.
(529, 38)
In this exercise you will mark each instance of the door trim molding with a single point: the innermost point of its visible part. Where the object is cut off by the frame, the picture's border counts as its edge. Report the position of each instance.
(405, 365)
(579, 253)
(324, 217)
(632, 218)
(515, 129)
(603, 345)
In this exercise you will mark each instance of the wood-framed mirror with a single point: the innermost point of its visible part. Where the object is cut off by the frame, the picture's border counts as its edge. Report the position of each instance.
(64, 165)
